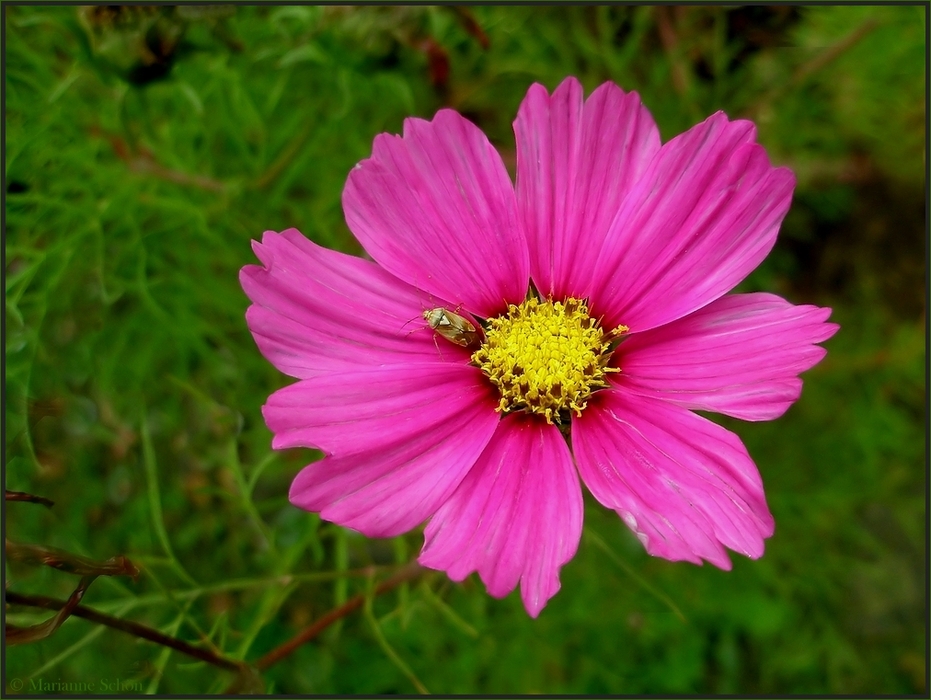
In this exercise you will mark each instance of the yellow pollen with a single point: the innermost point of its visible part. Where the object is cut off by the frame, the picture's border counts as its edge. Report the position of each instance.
(546, 357)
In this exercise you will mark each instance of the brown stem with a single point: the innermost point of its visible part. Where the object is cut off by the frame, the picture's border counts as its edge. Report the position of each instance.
(28, 498)
(802, 73)
(469, 23)
(409, 572)
(283, 160)
(144, 162)
(132, 628)
(670, 40)
(24, 635)
(834, 52)
(39, 555)
(245, 672)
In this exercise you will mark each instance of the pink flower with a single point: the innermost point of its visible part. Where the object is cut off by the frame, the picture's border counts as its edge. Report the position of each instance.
(596, 288)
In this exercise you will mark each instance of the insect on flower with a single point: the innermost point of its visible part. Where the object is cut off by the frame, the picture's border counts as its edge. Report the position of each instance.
(607, 235)
(455, 328)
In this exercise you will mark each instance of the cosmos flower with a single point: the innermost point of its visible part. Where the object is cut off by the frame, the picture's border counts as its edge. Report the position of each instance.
(565, 330)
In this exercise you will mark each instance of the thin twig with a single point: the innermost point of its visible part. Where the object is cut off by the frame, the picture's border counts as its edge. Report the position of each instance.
(132, 628)
(388, 650)
(801, 74)
(39, 555)
(409, 572)
(283, 160)
(470, 24)
(834, 52)
(144, 162)
(28, 498)
(24, 635)
(670, 41)
(603, 546)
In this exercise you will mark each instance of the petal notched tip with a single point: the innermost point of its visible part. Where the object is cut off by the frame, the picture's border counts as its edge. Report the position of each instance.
(685, 486)
(435, 207)
(515, 519)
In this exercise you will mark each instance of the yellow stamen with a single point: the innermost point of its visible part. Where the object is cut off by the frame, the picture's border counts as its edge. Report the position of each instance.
(546, 357)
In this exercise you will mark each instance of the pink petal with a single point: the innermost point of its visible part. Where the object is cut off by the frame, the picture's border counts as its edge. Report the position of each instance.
(684, 485)
(316, 310)
(702, 217)
(437, 209)
(741, 355)
(517, 516)
(400, 439)
(575, 164)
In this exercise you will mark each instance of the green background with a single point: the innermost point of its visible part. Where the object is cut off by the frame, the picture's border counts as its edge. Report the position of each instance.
(146, 148)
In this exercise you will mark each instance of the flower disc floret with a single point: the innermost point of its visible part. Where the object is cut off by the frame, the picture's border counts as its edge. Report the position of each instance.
(546, 357)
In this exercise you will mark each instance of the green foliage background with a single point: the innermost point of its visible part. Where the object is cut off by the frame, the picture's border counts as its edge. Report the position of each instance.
(144, 150)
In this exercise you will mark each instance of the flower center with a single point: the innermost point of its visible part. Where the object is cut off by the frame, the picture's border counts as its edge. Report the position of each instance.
(546, 357)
